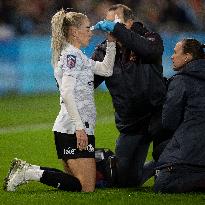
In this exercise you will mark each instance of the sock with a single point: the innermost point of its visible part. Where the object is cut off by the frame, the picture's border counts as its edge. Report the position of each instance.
(50, 169)
(61, 181)
(33, 174)
(45, 168)
(35, 166)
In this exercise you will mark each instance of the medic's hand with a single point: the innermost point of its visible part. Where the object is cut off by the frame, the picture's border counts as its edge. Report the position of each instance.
(106, 25)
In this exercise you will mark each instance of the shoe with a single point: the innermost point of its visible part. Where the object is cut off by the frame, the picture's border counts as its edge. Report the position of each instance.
(16, 175)
(11, 171)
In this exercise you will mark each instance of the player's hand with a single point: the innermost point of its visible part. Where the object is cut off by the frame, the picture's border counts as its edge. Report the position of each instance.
(82, 140)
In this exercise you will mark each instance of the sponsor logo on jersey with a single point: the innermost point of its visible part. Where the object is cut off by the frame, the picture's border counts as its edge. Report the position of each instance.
(71, 61)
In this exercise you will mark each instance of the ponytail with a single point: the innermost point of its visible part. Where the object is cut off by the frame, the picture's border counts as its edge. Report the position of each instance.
(60, 23)
(58, 37)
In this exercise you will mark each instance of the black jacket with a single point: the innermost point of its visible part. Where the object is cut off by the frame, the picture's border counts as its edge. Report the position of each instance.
(137, 86)
(184, 113)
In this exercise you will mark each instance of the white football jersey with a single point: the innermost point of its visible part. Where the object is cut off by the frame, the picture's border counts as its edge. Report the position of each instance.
(75, 64)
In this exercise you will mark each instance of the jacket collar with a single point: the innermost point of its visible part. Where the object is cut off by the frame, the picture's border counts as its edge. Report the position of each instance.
(195, 68)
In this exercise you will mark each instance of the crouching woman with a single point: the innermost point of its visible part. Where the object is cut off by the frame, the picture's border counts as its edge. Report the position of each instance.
(182, 163)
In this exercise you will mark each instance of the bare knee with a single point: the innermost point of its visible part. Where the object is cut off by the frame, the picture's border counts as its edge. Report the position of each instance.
(86, 188)
(88, 184)
(85, 170)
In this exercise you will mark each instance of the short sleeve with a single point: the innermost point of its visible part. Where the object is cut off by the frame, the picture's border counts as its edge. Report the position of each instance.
(71, 63)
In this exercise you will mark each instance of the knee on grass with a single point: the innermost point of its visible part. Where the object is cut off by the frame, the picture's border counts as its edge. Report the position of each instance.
(163, 185)
(88, 185)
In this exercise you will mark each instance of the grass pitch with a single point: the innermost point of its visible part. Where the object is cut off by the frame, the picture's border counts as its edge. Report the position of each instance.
(25, 132)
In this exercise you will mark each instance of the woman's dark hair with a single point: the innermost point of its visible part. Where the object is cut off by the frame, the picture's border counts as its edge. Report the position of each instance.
(194, 47)
(127, 12)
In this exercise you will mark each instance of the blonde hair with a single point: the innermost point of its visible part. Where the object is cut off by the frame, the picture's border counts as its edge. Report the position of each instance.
(60, 24)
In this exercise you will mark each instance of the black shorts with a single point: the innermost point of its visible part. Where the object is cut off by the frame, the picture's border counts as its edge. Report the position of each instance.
(66, 146)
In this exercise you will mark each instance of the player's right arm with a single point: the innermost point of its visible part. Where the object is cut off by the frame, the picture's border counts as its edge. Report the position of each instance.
(70, 68)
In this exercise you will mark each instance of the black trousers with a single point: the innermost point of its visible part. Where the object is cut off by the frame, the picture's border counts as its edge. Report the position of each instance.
(180, 179)
(131, 152)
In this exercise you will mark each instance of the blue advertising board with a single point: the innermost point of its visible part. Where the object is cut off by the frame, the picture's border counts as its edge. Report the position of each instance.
(25, 62)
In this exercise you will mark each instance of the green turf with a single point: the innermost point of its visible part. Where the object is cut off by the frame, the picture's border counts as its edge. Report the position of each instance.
(21, 135)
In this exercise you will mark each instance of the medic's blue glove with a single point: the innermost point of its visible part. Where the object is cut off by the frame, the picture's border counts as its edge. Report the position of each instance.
(105, 25)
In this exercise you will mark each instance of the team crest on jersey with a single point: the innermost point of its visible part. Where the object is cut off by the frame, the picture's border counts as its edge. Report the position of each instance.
(71, 61)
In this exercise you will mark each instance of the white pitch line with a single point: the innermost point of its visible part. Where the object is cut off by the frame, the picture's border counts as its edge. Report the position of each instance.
(43, 126)
(23, 128)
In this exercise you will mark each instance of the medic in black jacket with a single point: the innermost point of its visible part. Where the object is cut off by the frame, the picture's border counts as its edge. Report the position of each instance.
(182, 163)
(137, 88)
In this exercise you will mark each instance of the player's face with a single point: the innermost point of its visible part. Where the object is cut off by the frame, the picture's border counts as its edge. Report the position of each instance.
(84, 33)
(179, 58)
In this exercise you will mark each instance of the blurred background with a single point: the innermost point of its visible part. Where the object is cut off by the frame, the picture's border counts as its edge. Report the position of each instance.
(28, 92)
(25, 35)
